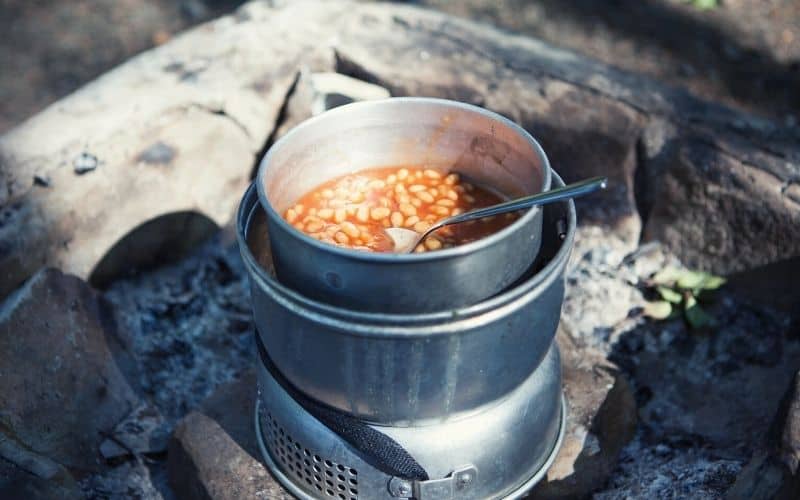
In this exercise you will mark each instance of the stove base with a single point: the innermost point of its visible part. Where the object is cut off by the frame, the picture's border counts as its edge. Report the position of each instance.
(498, 452)
(526, 487)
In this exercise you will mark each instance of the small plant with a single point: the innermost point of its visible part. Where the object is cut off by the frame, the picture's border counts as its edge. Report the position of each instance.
(679, 291)
(703, 4)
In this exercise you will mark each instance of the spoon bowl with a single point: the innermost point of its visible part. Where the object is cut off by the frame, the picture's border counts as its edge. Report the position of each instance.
(406, 240)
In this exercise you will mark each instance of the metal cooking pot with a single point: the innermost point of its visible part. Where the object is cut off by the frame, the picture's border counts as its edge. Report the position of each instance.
(439, 134)
(409, 369)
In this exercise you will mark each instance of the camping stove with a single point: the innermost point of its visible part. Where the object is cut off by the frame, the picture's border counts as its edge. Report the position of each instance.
(458, 403)
(498, 452)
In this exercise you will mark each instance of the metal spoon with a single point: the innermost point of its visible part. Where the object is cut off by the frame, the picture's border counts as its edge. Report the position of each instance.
(406, 240)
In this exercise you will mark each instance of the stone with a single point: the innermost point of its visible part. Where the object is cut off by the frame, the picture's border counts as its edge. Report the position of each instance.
(601, 420)
(772, 285)
(65, 377)
(722, 197)
(115, 161)
(707, 204)
(315, 93)
(16, 483)
(789, 447)
(213, 453)
(143, 431)
(774, 472)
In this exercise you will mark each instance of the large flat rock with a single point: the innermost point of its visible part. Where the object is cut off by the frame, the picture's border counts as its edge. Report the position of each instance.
(65, 376)
(178, 129)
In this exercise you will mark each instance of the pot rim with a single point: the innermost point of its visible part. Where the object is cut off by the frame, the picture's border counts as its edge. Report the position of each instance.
(360, 323)
(390, 258)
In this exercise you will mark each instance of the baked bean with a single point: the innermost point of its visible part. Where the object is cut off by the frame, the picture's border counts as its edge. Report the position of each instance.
(422, 226)
(432, 243)
(350, 229)
(432, 174)
(354, 210)
(379, 213)
(425, 196)
(397, 219)
(314, 226)
(408, 209)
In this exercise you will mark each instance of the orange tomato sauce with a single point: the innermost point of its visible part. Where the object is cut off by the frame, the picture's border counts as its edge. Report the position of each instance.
(354, 210)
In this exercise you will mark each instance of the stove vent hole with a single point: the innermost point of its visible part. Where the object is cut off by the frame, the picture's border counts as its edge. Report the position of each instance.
(305, 467)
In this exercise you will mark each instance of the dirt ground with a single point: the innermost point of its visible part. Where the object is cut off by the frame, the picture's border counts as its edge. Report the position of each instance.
(744, 53)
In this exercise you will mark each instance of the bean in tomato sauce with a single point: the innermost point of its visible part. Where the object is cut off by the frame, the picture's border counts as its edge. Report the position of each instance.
(354, 210)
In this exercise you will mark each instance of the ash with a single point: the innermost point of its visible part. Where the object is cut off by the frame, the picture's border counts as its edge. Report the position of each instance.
(190, 326)
(661, 471)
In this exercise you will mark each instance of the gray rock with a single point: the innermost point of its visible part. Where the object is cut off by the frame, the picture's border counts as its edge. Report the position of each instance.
(317, 92)
(716, 211)
(774, 472)
(16, 483)
(213, 453)
(790, 428)
(601, 419)
(64, 373)
(143, 431)
(133, 479)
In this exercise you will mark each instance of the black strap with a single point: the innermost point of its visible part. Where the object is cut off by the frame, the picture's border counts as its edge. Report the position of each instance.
(381, 451)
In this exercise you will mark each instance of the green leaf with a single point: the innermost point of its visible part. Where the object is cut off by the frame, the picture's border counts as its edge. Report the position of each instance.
(703, 4)
(712, 282)
(659, 309)
(667, 276)
(695, 314)
(669, 295)
(689, 280)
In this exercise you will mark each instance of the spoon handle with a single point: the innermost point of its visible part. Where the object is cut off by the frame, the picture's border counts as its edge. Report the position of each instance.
(569, 191)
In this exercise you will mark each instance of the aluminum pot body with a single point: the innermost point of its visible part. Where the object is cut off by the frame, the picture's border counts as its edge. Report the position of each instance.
(409, 369)
(435, 133)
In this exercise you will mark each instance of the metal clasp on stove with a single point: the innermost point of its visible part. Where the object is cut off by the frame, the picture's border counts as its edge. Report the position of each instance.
(448, 488)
